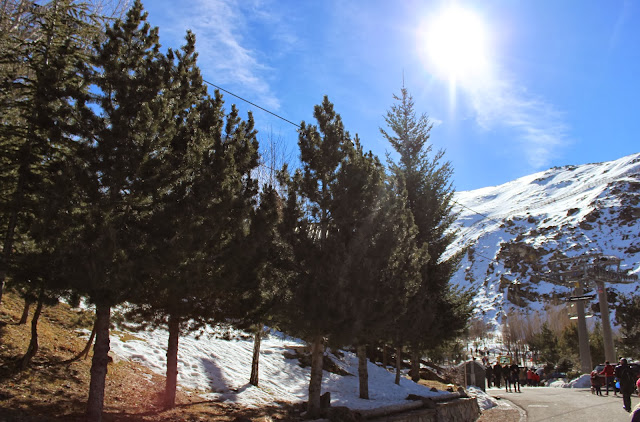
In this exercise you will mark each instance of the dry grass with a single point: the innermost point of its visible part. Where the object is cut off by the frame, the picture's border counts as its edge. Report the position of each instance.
(434, 384)
(52, 389)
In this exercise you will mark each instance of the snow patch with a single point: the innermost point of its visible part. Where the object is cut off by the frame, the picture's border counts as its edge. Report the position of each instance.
(485, 401)
(219, 369)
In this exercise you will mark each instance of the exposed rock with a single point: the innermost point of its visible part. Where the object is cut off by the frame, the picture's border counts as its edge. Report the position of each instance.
(572, 211)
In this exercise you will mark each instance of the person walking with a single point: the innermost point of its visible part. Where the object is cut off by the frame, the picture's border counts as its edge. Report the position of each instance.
(635, 415)
(515, 378)
(497, 373)
(607, 372)
(596, 382)
(488, 371)
(506, 375)
(627, 383)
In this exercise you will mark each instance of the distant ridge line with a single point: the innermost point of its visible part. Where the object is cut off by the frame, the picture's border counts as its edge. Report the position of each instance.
(466, 230)
(549, 201)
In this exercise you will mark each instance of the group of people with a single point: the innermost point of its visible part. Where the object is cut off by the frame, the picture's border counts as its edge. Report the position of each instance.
(621, 378)
(512, 375)
(606, 377)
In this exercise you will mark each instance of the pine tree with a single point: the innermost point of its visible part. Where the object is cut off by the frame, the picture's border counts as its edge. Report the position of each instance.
(167, 234)
(547, 343)
(121, 150)
(381, 257)
(389, 269)
(269, 267)
(41, 69)
(41, 76)
(427, 182)
(312, 229)
(200, 229)
(333, 205)
(628, 318)
(208, 264)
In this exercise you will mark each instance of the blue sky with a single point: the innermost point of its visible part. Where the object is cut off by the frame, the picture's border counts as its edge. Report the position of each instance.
(552, 82)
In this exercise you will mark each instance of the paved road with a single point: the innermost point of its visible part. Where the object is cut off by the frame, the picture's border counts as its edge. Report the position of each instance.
(566, 404)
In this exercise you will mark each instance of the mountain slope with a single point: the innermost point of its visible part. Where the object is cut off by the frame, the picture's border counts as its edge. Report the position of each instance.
(514, 229)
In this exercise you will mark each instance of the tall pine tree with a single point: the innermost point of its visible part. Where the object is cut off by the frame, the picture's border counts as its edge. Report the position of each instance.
(122, 149)
(333, 204)
(311, 193)
(384, 262)
(200, 225)
(427, 180)
(42, 66)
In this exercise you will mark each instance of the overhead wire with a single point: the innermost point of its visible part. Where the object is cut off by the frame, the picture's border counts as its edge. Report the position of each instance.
(253, 104)
(477, 212)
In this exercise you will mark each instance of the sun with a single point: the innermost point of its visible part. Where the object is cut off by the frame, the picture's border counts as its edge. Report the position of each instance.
(454, 44)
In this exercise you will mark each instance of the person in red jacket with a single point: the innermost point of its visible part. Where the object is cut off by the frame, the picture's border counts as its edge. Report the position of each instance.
(608, 376)
(530, 378)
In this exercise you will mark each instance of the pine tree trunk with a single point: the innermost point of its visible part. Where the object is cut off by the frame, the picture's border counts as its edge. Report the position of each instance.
(18, 196)
(385, 356)
(172, 363)
(85, 352)
(255, 361)
(398, 363)
(315, 381)
(363, 373)
(415, 365)
(33, 344)
(372, 350)
(99, 363)
(25, 312)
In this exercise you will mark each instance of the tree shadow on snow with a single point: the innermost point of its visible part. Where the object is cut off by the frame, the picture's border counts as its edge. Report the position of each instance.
(217, 381)
(219, 384)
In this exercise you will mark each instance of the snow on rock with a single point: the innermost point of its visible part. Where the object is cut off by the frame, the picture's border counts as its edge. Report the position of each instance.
(559, 383)
(485, 401)
(584, 381)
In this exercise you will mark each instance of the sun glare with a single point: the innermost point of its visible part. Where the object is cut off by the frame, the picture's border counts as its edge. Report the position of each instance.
(454, 45)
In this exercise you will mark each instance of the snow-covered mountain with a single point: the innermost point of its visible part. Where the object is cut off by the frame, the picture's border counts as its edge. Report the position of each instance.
(514, 229)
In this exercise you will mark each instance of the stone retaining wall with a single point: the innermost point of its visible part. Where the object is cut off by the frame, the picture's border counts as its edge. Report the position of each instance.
(458, 410)
(455, 408)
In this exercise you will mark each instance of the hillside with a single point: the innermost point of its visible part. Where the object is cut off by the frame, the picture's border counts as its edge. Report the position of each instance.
(53, 389)
(515, 229)
(214, 367)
